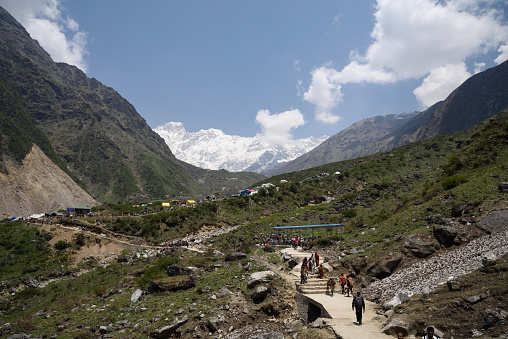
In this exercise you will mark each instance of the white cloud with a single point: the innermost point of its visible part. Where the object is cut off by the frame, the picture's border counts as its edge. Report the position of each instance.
(503, 54)
(325, 92)
(415, 39)
(58, 35)
(277, 128)
(440, 83)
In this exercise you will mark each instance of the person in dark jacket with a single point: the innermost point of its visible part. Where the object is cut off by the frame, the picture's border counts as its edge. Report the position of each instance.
(358, 307)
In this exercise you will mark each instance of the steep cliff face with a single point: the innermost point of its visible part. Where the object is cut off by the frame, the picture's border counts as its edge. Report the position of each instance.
(38, 185)
(98, 135)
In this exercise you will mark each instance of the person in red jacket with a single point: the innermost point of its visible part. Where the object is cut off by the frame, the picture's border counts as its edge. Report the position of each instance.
(342, 279)
(316, 257)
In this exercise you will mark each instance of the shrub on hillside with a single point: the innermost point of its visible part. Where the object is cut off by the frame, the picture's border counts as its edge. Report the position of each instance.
(453, 181)
(453, 165)
(351, 213)
(61, 245)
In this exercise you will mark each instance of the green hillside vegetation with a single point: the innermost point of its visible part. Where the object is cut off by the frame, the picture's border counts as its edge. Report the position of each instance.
(380, 200)
(394, 192)
(18, 132)
(25, 252)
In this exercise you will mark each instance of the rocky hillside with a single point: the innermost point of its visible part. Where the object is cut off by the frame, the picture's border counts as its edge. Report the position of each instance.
(357, 140)
(97, 134)
(479, 97)
(38, 185)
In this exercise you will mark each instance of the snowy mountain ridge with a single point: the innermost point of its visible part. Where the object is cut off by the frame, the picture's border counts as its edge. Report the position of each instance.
(214, 149)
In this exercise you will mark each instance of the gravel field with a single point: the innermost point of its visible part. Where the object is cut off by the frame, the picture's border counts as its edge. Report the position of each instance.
(426, 275)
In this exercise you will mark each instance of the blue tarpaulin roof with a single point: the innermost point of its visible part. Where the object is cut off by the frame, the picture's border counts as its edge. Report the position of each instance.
(305, 226)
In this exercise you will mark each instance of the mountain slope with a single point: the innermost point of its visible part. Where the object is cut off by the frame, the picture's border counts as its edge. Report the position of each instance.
(479, 97)
(99, 136)
(38, 185)
(357, 140)
(213, 149)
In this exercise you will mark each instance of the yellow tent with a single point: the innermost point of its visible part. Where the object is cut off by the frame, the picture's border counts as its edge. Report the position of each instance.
(190, 202)
(165, 204)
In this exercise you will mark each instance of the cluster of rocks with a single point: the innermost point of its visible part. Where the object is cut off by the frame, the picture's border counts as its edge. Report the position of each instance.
(424, 276)
(206, 232)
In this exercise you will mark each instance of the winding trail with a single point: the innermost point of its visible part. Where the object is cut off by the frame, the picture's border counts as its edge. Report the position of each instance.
(343, 319)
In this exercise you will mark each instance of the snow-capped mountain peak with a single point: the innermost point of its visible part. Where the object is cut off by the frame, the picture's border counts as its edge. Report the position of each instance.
(214, 149)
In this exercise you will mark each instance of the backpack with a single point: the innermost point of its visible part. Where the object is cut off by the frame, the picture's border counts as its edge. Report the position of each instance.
(349, 283)
(358, 302)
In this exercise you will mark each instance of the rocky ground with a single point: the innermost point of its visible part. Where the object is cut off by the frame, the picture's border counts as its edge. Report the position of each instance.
(424, 276)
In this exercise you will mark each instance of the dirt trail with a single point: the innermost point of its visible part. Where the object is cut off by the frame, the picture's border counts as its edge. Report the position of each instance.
(343, 321)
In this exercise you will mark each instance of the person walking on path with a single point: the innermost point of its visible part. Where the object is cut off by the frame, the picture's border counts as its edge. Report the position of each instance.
(303, 274)
(321, 272)
(342, 279)
(349, 283)
(330, 286)
(359, 307)
(316, 257)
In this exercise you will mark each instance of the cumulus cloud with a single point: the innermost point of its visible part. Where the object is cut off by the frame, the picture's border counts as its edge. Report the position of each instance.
(277, 128)
(415, 39)
(60, 36)
(503, 54)
(440, 82)
(325, 92)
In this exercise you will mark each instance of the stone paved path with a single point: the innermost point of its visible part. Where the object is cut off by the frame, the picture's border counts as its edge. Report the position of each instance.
(343, 320)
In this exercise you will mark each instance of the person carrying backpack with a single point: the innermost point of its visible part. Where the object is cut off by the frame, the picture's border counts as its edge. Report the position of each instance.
(349, 283)
(342, 279)
(359, 307)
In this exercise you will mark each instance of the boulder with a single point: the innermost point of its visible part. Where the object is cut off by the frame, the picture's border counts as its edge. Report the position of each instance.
(214, 323)
(419, 247)
(223, 292)
(495, 222)
(173, 270)
(136, 295)
(168, 331)
(476, 298)
(503, 187)
(318, 323)
(270, 310)
(396, 300)
(445, 235)
(327, 267)
(105, 329)
(384, 268)
(257, 278)
(259, 294)
(286, 257)
(292, 263)
(170, 284)
(235, 256)
(492, 316)
(397, 324)
(488, 259)
(30, 282)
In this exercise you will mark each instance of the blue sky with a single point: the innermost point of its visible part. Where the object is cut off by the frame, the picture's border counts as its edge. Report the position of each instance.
(218, 63)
